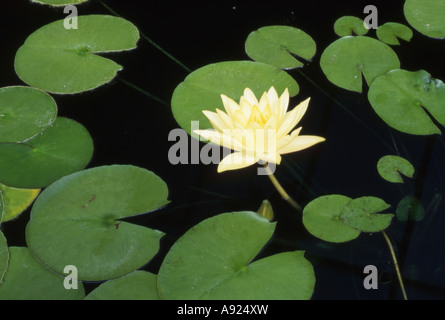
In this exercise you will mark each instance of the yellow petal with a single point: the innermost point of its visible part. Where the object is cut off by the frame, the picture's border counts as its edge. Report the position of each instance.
(250, 96)
(215, 120)
(230, 105)
(301, 143)
(264, 101)
(237, 160)
(256, 116)
(272, 96)
(243, 137)
(246, 107)
(267, 113)
(220, 139)
(292, 118)
(225, 118)
(239, 117)
(282, 105)
(272, 123)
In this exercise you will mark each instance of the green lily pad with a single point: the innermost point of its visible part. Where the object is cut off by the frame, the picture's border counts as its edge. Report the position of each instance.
(138, 285)
(57, 3)
(347, 59)
(78, 221)
(426, 16)
(213, 260)
(2, 208)
(4, 256)
(391, 168)
(391, 31)
(16, 201)
(65, 147)
(27, 279)
(24, 113)
(202, 89)
(410, 209)
(66, 61)
(349, 26)
(362, 214)
(278, 46)
(400, 98)
(321, 217)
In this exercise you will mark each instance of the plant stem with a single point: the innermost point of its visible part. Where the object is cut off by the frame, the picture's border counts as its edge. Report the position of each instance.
(281, 190)
(148, 94)
(396, 265)
(154, 44)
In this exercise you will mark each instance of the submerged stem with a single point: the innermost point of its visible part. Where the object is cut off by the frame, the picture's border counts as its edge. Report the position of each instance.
(396, 265)
(281, 190)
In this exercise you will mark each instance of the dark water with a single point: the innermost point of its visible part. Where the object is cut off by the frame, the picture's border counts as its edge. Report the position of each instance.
(130, 128)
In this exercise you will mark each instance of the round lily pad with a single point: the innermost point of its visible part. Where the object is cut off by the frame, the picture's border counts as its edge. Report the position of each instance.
(15, 201)
(400, 98)
(391, 31)
(278, 46)
(4, 256)
(24, 112)
(138, 285)
(350, 26)
(78, 221)
(346, 60)
(202, 89)
(391, 168)
(65, 147)
(426, 16)
(27, 279)
(362, 214)
(322, 218)
(213, 260)
(66, 61)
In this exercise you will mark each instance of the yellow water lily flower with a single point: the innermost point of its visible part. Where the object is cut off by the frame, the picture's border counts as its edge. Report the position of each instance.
(257, 130)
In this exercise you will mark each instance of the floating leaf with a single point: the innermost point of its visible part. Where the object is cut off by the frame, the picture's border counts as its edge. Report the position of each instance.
(4, 256)
(202, 89)
(65, 61)
(362, 214)
(349, 26)
(213, 260)
(426, 16)
(16, 200)
(24, 112)
(277, 45)
(390, 168)
(138, 285)
(345, 60)
(410, 209)
(2, 208)
(391, 31)
(27, 279)
(321, 217)
(65, 147)
(78, 221)
(400, 98)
